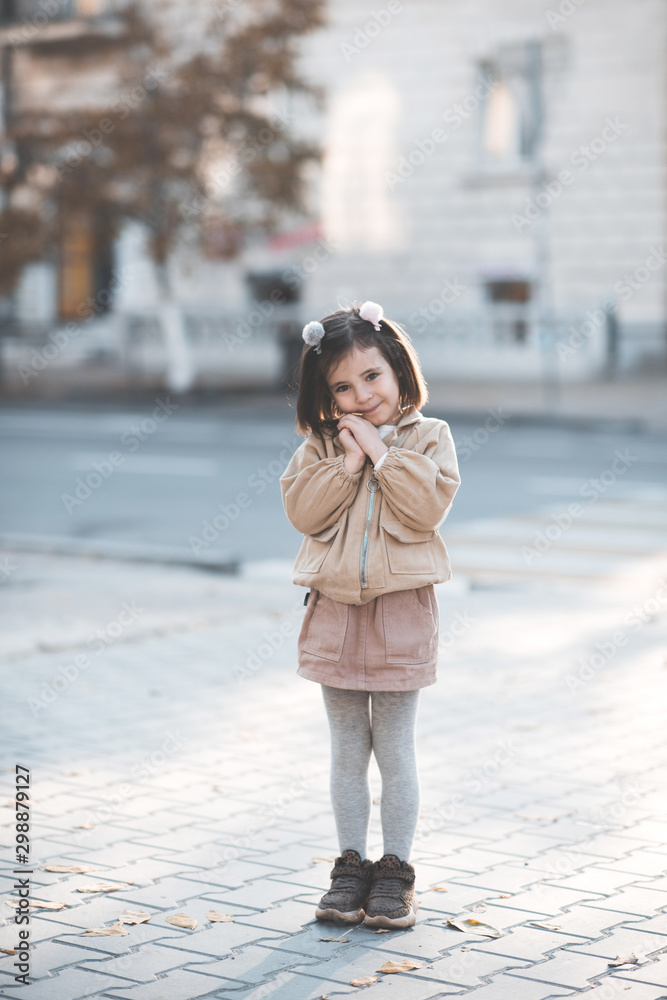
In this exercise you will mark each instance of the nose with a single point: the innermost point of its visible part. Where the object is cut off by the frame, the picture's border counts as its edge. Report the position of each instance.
(364, 393)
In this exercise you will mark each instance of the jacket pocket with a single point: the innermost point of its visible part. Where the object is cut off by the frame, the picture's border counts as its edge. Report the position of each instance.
(324, 633)
(408, 551)
(410, 626)
(315, 549)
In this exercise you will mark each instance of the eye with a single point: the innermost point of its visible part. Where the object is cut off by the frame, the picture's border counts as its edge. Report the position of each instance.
(341, 388)
(373, 375)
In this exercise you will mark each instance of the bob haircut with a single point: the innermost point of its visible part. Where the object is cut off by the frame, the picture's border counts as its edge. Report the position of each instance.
(316, 410)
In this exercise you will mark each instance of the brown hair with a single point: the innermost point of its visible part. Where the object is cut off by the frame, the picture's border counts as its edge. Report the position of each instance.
(316, 409)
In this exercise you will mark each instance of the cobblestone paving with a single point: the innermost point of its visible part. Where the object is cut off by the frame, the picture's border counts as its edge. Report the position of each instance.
(187, 761)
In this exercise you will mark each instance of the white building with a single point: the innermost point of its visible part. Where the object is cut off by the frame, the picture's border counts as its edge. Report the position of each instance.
(493, 175)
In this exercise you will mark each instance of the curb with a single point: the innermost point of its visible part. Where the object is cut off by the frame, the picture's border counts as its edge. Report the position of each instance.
(620, 425)
(217, 562)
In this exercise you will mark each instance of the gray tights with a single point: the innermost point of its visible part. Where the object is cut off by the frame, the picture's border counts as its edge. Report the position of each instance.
(390, 734)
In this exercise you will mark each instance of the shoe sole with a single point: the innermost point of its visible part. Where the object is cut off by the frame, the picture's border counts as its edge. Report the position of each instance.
(344, 919)
(393, 923)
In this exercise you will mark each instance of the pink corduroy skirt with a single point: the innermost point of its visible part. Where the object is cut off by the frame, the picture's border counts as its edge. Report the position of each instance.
(388, 644)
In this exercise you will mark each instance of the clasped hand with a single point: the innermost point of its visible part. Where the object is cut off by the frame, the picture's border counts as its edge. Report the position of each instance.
(359, 438)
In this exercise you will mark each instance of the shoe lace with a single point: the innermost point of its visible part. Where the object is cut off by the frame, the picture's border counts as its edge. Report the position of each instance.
(389, 884)
(344, 881)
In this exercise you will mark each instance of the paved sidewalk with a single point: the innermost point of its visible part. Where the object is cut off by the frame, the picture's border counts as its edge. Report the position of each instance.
(188, 763)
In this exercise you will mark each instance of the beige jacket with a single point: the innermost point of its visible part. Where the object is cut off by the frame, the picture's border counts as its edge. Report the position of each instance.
(359, 544)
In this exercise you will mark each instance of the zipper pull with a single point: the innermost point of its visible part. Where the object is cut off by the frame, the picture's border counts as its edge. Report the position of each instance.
(373, 484)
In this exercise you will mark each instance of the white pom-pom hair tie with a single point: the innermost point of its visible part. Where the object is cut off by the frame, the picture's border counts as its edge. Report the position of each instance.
(372, 312)
(312, 335)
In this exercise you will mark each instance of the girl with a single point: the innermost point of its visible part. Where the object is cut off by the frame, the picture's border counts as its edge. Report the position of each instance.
(368, 488)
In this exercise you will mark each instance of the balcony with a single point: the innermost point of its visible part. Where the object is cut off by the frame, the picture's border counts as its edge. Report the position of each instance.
(56, 22)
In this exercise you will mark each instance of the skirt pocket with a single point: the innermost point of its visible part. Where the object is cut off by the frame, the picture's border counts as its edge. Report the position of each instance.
(323, 632)
(410, 619)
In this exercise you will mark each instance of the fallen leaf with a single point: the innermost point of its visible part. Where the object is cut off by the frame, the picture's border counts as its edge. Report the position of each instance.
(479, 907)
(42, 904)
(464, 923)
(342, 940)
(544, 926)
(182, 920)
(83, 826)
(134, 917)
(438, 888)
(220, 918)
(327, 860)
(504, 895)
(630, 959)
(377, 801)
(383, 930)
(364, 981)
(116, 930)
(104, 886)
(405, 965)
(77, 869)
(9, 951)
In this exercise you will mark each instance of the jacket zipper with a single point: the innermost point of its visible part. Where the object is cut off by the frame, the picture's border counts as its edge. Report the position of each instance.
(372, 486)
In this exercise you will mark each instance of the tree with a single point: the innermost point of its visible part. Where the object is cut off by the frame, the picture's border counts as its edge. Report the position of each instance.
(188, 145)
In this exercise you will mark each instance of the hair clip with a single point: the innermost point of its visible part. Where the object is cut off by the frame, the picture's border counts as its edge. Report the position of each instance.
(372, 312)
(312, 335)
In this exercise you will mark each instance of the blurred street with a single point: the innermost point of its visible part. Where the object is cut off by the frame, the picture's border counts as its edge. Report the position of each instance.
(173, 748)
(223, 462)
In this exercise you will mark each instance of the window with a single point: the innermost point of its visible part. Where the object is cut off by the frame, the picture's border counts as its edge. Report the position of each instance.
(265, 284)
(509, 302)
(513, 110)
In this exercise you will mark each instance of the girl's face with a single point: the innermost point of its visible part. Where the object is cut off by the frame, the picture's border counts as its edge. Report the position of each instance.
(364, 382)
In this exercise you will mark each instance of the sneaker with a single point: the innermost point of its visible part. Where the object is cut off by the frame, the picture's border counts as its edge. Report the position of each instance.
(391, 903)
(350, 885)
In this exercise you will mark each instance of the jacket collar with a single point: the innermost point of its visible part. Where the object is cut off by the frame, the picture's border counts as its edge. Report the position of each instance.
(410, 417)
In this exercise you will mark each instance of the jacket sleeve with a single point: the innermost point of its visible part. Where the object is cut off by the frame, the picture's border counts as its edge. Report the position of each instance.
(316, 490)
(419, 486)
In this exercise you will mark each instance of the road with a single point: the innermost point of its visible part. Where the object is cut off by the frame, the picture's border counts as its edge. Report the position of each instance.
(161, 472)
